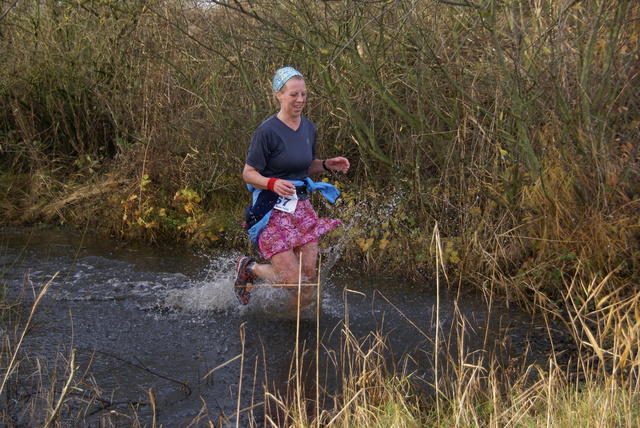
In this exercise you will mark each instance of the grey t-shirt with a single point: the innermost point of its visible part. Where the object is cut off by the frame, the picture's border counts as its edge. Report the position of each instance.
(278, 151)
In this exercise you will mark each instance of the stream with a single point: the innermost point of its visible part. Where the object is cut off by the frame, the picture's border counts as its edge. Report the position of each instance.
(166, 320)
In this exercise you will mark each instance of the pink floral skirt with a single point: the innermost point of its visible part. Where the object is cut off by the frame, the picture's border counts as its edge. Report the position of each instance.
(286, 231)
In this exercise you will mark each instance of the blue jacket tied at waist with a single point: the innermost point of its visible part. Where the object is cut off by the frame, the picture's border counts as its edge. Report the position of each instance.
(258, 213)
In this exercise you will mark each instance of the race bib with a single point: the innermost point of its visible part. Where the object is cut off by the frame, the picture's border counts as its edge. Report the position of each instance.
(287, 205)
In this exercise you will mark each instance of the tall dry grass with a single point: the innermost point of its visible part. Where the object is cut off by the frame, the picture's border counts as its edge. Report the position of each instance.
(473, 389)
(597, 384)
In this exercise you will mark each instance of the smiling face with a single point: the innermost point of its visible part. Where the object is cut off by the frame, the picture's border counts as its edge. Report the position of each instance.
(292, 97)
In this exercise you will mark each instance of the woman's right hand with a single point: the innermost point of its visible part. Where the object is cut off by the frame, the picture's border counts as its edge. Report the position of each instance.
(281, 187)
(284, 188)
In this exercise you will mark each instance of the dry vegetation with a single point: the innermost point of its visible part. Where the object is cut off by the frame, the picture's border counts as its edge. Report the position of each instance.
(509, 129)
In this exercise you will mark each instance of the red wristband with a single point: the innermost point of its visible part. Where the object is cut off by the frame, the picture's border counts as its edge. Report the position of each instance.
(271, 183)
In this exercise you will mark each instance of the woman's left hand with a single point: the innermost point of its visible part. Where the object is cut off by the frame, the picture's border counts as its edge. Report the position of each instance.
(338, 164)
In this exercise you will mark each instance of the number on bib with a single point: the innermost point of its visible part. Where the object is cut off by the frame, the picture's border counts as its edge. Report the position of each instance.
(287, 205)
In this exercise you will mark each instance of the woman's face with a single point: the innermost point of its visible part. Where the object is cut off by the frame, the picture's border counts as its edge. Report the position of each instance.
(292, 97)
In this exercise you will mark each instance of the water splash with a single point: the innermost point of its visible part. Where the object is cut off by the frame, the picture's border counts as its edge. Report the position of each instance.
(215, 294)
(333, 253)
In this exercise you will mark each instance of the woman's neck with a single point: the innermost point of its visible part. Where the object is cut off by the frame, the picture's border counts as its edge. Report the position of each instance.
(291, 122)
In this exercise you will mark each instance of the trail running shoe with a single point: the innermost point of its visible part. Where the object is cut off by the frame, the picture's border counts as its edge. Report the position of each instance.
(243, 277)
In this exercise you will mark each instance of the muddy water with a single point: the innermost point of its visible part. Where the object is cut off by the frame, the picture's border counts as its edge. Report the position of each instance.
(144, 319)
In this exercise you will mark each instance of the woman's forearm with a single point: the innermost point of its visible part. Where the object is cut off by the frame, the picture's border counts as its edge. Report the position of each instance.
(316, 167)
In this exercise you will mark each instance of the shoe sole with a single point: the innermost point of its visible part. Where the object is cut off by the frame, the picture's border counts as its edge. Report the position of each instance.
(241, 293)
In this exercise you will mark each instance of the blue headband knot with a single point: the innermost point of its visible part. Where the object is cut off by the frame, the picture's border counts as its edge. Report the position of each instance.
(283, 75)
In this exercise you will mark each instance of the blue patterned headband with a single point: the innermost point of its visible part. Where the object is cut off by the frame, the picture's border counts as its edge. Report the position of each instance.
(283, 75)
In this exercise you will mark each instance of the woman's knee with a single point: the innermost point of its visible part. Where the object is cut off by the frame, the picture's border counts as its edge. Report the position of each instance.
(309, 274)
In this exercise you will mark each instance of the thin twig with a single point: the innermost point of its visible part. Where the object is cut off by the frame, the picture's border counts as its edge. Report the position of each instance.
(142, 367)
(459, 3)
(154, 410)
(6, 12)
(242, 342)
(65, 391)
(284, 285)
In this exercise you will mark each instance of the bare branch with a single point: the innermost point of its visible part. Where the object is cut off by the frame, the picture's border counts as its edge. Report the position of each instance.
(459, 3)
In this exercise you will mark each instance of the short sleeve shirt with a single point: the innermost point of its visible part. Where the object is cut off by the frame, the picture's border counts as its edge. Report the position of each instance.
(278, 151)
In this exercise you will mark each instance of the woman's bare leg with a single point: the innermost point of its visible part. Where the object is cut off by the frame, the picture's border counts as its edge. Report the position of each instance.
(285, 269)
(309, 252)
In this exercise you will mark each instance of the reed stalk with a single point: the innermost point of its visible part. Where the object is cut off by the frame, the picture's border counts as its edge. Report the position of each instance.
(66, 391)
(11, 366)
